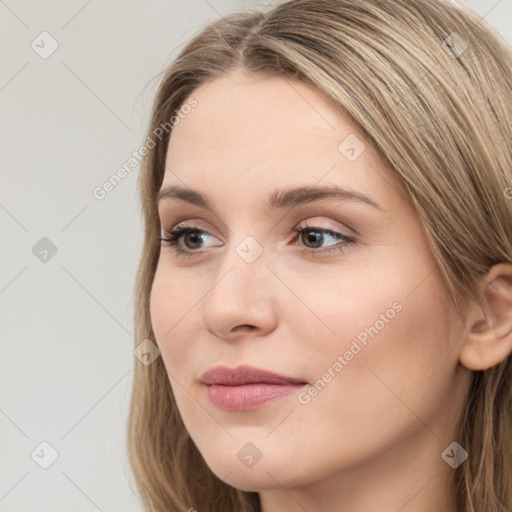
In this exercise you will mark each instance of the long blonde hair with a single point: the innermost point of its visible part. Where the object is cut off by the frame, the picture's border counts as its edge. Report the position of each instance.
(429, 83)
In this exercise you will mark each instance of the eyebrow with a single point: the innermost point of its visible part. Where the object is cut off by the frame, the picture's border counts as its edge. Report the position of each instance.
(278, 199)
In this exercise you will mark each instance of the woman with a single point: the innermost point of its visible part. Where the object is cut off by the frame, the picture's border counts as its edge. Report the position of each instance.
(327, 265)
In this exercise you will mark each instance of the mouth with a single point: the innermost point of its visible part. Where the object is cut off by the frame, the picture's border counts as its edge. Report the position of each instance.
(246, 387)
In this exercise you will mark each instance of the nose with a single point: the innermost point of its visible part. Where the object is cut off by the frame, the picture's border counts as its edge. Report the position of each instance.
(241, 300)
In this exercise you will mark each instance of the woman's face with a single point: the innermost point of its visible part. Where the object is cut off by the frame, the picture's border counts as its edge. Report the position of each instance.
(353, 308)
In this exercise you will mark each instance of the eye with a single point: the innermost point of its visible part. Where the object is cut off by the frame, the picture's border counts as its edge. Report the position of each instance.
(316, 236)
(191, 237)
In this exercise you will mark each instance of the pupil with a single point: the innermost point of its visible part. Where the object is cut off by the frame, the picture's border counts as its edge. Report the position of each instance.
(196, 238)
(314, 237)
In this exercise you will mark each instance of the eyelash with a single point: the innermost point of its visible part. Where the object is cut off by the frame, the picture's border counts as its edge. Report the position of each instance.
(173, 237)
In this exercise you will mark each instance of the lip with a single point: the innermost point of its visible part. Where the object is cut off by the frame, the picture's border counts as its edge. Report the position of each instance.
(245, 374)
(246, 387)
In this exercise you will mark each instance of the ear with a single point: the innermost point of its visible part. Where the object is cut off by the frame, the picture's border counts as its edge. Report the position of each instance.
(488, 335)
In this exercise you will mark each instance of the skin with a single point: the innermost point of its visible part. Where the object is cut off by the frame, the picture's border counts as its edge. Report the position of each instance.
(372, 438)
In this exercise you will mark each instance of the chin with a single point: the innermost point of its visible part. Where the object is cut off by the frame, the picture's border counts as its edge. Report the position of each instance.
(251, 480)
(264, 475)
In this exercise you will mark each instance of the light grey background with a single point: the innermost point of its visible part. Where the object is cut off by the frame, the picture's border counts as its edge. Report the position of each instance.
(68, 122)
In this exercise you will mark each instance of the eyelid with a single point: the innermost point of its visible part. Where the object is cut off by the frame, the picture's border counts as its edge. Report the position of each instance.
(185, 223)
(309, 223)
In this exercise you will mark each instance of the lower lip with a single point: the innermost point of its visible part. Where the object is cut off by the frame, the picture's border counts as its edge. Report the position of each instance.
(248, 396)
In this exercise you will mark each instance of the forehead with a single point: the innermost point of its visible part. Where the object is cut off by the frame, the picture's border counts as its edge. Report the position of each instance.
(259, 112)
(257, 132)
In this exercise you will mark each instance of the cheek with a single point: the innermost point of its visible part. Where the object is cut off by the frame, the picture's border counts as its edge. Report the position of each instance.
(168, 311)
(399, 356)
(384, 340)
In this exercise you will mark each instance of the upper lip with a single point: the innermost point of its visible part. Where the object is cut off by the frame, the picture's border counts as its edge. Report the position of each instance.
(245, 374)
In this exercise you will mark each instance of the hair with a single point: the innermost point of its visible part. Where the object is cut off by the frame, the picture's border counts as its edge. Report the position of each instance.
(439, 116)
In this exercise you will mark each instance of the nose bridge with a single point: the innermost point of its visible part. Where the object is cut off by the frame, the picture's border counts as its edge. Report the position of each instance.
(243, 266)
(239, 294)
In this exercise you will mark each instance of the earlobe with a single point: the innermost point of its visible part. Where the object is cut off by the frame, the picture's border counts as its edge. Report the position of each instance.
(488, 336)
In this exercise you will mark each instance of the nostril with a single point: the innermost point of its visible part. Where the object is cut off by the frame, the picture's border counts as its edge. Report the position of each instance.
(243, 328)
